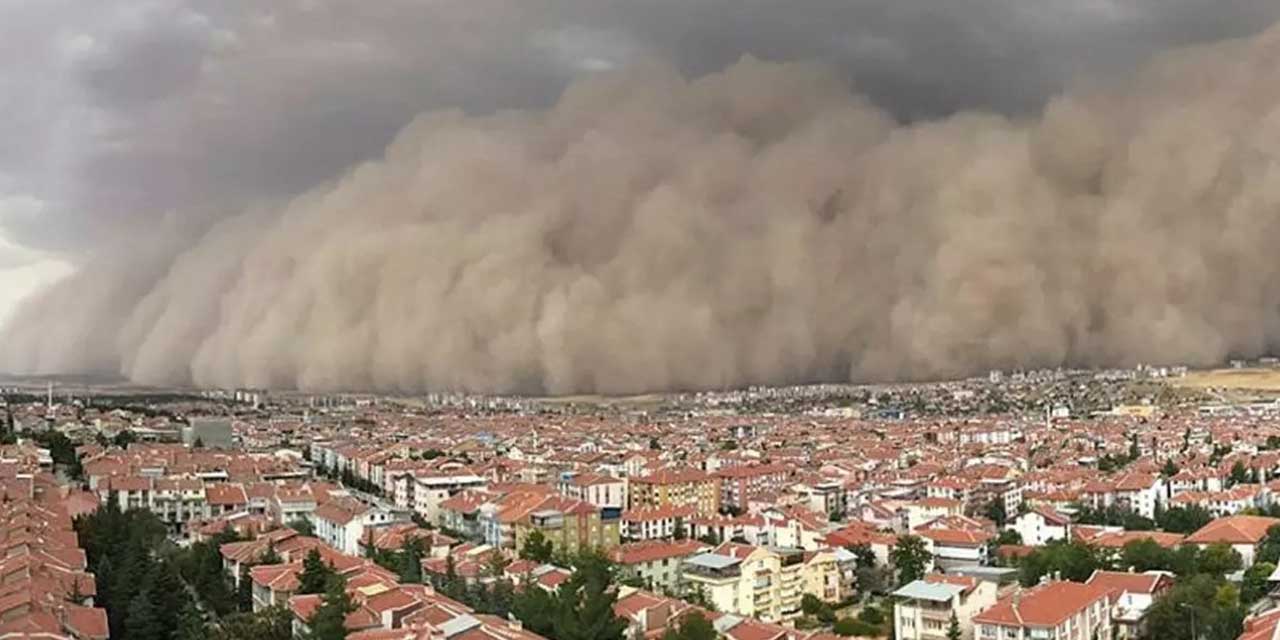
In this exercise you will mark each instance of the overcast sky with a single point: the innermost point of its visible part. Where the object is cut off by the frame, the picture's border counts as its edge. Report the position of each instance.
(126, 117)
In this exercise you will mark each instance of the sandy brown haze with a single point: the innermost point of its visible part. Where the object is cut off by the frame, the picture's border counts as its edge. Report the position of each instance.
(764, 224)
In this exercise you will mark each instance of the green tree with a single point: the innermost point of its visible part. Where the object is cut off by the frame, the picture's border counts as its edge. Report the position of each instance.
(1269, 548)
(191, 624)
(852, 627)
(810, 605)
(124, 439)
(303, 526)
(536, 609)
(328, 622)
(1007, 537)
(584, 608)
(271, 623)
(409, 562)
(1145, 555)
(1219, 559)
(953, 629)
(142, 622)
(1169, 469)
(1239, 474)
(1254, 585)
(1184, 520)
(1072, 560)
(1202, 605)
(692, 626)
(911, 558)
(536, 547)
(871, 616)
(316, 575)
(454, 586)
(501, 598)
(995, 511)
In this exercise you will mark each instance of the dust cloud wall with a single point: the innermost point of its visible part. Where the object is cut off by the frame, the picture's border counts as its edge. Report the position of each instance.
(761, 225)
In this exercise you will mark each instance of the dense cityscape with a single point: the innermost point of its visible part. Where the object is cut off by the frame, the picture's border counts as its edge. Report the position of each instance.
(639, 320)
(1108, 505)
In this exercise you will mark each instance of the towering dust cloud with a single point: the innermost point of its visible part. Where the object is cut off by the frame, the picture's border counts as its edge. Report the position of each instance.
(759, 225)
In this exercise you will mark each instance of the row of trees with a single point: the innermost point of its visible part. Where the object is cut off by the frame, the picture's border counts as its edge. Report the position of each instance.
(153, 590)
(1077, 561)
(581, 608)
(139, 587)
(1201, 602)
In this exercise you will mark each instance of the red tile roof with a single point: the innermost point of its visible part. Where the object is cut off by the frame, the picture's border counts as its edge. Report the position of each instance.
(1044, 606)
(1234, 530)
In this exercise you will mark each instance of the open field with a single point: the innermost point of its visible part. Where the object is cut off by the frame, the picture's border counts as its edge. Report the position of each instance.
(1241, 379)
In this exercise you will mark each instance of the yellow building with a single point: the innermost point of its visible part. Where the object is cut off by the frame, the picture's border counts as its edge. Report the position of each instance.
(676, 488)
(570, 525)
(760, 582)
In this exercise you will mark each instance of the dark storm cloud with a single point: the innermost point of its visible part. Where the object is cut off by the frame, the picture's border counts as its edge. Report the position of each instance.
(119, 112)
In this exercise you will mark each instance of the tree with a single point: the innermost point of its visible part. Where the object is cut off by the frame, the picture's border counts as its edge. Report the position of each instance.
(191, 624)
(1144, 555)
(585, 603)
(410, 560)
(536, 547)
(953, 629)
(850, 627)
(328, 622)
(271, 623)
(453, 587)
(1219, 559)
(124, 439)
(1184, 520)
(1202, 605)
(303, 526)
(693, 626)
(536, 609)
(1254, 586)
(1239, 474)
(142, 622)
(1071, 560)
(996, 512)
(810, 604)
(1269, 548)
(270, 556)
(1169, 469)
(911, 557)
(316, 575)
(871, 616)
(501, 598)
(1007, 537)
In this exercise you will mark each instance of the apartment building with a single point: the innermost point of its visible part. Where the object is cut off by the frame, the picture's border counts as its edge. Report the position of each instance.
(570, 525)
(675, 488)
(656, 524)
(738, 485)
(761, 582)
(655, 563)
(1058, 610)
(342, 522)
(598, 489)
(925, 607)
